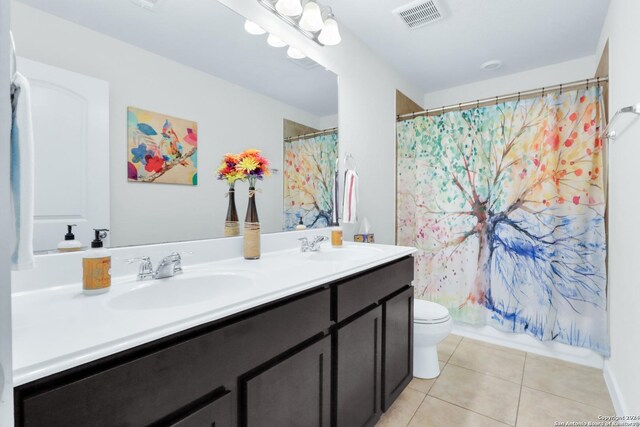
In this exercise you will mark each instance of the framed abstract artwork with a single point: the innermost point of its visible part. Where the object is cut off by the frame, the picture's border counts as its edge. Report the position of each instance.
(161, 148)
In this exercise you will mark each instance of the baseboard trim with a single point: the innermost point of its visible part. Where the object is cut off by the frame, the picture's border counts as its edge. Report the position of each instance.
(579, 355)
(614, 390)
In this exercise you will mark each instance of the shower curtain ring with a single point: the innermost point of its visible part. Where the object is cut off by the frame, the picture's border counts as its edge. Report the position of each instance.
(478, 103)
(443, 110)
(518, 96)
(496, 100)
(560, 88)
(598, 82)
(543, 92)
(460, 106)
(587, 84)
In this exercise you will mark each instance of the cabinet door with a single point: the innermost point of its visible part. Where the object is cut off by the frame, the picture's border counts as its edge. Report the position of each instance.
(358, 370)
(397, 345)
(214, 414)
(293, 392)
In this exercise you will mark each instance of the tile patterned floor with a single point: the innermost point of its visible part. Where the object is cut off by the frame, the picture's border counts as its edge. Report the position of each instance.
(483, 384)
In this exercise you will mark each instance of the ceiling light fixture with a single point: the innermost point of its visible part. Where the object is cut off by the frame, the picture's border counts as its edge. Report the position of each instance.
(311, 19)
(275, 41)
(253, 28)
(492, 65)
(330, 34)
(314, 21)
(289, 7)
(294, 53)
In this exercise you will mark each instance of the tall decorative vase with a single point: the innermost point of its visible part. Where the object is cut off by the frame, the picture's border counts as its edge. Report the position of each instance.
(252, 228)
(231, 224)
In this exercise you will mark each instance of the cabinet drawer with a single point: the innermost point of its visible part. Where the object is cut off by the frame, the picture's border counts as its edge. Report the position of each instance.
(214, 414)
(145, 389)
(360, 292)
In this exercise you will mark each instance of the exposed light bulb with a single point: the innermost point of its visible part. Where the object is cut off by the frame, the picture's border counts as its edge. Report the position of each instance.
(330, 34)
(289, 7)
(294, 53)
(311, 17)
(253, 28)
(275, 41)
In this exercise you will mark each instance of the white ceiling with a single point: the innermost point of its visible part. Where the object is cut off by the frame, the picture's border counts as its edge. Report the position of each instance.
(524, 34)
(208, 36)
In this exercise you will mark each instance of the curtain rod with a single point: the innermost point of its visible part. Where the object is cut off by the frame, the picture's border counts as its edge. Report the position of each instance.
(308, 135)
(502, 98)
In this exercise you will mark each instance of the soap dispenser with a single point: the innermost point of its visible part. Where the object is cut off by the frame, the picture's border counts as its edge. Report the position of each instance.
(69, 244)
(96, 266)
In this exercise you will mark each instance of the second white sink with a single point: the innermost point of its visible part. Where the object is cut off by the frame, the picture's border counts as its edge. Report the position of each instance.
(344, 254)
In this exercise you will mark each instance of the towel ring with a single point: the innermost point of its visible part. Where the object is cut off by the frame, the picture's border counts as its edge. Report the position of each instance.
(348, 157)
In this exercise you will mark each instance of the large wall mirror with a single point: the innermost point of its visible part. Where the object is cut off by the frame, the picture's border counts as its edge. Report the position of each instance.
(133, 110)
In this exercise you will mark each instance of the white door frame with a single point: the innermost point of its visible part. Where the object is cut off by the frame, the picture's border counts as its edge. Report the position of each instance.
(6, 369)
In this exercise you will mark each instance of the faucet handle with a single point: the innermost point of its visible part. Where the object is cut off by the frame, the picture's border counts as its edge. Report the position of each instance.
(145, 270)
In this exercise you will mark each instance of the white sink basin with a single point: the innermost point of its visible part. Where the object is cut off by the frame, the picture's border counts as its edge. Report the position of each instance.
(183, 289)
(344, 254)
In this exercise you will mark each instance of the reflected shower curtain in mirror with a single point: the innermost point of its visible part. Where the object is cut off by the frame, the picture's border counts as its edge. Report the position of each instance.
(309, 166)
(506, 205)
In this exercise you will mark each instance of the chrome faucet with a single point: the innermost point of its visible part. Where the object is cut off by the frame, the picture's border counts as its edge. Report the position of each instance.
(312, 246)
(169, 266)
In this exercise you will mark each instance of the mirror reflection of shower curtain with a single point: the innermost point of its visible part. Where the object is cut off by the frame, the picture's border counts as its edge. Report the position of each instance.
(506, 205)
(309, 167)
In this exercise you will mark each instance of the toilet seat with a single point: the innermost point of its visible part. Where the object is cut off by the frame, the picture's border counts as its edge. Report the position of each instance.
(429, 313)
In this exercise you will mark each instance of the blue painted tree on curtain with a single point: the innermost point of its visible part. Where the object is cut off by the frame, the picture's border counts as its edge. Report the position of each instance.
(506, 206)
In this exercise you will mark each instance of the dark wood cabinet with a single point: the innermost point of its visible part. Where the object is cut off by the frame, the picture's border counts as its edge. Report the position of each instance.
(293, 392)
(397, 345)
(336, 355)
(358, 368)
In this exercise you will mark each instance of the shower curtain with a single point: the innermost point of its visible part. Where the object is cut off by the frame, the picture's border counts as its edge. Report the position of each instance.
(309, 167)
(506, 205)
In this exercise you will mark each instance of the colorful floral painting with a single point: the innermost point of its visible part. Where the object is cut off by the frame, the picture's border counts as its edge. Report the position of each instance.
(161, 148)
(506, 205)
(309, 167)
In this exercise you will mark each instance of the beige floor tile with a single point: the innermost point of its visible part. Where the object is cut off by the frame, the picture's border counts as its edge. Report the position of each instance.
(481, 393)
(576, 382)
(400, 413)
(494, 346)
(423, 385)
(539, 409)
(437, 413)
(447, 347)
(489, 360)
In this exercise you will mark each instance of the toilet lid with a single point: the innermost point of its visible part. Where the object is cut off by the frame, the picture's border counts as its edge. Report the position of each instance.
(429, 312)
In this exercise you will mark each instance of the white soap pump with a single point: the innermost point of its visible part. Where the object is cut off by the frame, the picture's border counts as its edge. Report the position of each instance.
(69, 244)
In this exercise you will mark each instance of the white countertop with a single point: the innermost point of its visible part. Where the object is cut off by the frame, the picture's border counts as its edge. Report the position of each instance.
(57, 328)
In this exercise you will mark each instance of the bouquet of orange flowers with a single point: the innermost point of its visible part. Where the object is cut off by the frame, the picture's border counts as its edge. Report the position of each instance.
(228, 170)
(252, 166)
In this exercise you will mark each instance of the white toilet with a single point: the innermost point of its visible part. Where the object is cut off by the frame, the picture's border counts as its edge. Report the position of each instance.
(431, 324)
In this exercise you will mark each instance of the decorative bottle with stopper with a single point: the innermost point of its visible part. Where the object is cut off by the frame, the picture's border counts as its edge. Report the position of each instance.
(69, 244)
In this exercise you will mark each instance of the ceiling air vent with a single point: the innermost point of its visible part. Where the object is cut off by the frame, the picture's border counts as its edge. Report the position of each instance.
(306, 63)
(419, 13)
(151, 5)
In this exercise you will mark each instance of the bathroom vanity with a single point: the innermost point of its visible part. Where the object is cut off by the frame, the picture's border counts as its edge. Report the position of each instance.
(333, 347)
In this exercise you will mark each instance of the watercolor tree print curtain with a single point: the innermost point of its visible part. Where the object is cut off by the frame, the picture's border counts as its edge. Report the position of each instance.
(309, 167)
(506, 205)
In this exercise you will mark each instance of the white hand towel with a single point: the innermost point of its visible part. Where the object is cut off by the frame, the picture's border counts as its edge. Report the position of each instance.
(350, 197)
(22, 176)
